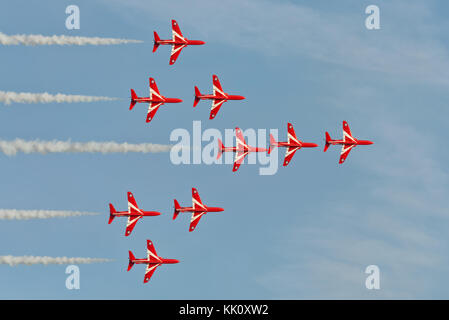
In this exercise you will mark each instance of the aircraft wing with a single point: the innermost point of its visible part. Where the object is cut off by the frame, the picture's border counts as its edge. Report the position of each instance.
(176, 32)
(240, 139)
(152, 109)
(149, 271)
(154, 91)
(289, 154)
(216, 105)
(132, 204)
(239, 157)
(132, 220)
(175, 52)
(151, 253)
(345, 152)
(197, 204)
(292, 135)
(218, 91)
(196, 216)
(347, 135)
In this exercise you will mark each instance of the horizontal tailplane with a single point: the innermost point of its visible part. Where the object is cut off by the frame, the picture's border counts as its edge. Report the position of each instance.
(197, 94)
(177, 207)
(328, 141)
(273, 143)
(133, 99)
(156, 41)
(111, 213)
(131, 259)
(220, 149)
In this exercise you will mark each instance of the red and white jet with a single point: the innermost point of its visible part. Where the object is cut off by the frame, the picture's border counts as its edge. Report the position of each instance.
(348, 142)
(241, 150)
(178, 42)
(293, 144)
(155, 100)
(218, 97)
(152, 261)
(134, 214)
(198, 209)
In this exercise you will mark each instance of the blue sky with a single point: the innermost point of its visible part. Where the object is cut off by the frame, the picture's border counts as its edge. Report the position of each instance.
(307, 232)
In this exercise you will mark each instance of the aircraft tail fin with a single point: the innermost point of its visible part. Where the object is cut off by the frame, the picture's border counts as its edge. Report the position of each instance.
(273, 143)
(133, 99)
(111, 213)
(177, 207)
(220, 149)
(131, 259)
(197, 94)
(156, 41)
(328, 140)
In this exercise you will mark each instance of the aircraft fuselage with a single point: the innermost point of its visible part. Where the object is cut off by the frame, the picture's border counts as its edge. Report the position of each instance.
(144, 213)
(208, 209)
(296, 145)
(164, 100)
(220, 97)
(244, 149)
(146, 261)
(179, 42)
(350, 143)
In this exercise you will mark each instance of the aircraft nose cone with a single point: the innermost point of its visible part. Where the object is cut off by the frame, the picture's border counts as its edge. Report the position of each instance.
(201, 42)
(175, 260)
(313, 145)
(370, 142)
(240, 97)
(178, 100)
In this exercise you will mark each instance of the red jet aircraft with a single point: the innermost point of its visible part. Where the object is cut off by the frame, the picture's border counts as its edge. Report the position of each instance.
(178, 42)
(155, 100)
(348, 142)
(241, 151)
(153, 261)
(198, 209)
(293, 144)
(219, 97)
(134, 214)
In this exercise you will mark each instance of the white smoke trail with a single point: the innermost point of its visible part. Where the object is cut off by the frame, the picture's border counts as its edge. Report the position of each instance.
(11, 148)
(7, 97)
(13, 214)
(31, 260)
(37, 40)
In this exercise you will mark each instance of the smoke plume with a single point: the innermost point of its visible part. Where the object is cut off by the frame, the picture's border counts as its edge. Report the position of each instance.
(11, 148)
(39, 40)
(8, 97)
(31, 260)
(13, 214)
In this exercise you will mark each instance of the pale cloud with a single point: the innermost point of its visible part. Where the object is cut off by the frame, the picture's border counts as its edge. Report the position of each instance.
(398, 224)
(291, 30)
